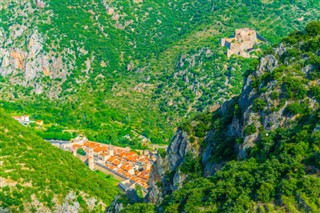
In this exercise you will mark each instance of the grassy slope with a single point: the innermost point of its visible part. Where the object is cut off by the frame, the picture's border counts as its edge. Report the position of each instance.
(108, 109)
(34, 167)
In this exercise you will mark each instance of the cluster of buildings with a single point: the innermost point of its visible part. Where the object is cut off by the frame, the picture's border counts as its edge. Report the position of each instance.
(132, 168)
(25, 120)
(242, 43)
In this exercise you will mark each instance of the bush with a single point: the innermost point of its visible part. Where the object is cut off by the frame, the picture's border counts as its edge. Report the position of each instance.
(315, 92)
(294, 109)
(294, 88)
(192, 139)
(81, 152)
(162, 152)
(250, 129)
(139, 207)
(274, 95)
(258, 105)
(313, 28)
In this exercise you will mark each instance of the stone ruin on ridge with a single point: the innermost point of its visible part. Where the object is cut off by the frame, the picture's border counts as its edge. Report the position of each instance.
(242, 43)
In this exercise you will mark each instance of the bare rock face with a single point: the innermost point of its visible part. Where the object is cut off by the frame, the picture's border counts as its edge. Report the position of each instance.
(70, 204)
(28, 64)
(267, 64)
(156, 176)
(248, 95)
(280, 50)
(28, 57)
(160, 184)
(166, 176)
(178, 149)
(40, 4)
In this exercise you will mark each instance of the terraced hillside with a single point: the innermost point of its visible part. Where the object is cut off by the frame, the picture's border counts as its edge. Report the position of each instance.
(116, 68)
(38, 177)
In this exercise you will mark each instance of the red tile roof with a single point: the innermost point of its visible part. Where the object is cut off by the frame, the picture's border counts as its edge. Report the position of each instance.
(76, 146)
(126, 167)
(143, 175)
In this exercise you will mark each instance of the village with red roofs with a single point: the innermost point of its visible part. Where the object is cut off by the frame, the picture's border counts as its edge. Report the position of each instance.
(132, 168)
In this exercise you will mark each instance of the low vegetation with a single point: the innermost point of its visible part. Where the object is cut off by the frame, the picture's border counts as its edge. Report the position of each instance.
(33, 170)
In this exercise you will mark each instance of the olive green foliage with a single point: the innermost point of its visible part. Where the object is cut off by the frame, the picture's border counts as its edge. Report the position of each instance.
(250, 129)
(55, 133)
(313, 28)
(81, 152)
(41, 170)
(281, 171)
(191, 165)
(139, 208)
(315, 92)
(274, 95)
(294, 88)
(175, 51)
(162, 152)
(297, 108)
(258, 105)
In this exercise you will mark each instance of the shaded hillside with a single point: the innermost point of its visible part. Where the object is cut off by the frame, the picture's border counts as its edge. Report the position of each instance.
(38, 177)
(133, 68)
(260, 151)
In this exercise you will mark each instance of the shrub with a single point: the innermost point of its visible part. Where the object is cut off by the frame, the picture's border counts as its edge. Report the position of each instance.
(294, 108)
(162, 152)
(192, 139)
(294, 88)
(315, 92)
(258, 105)
(200, 130)
(274, 95)
(250, 129)
(81, 152)
(313, 28)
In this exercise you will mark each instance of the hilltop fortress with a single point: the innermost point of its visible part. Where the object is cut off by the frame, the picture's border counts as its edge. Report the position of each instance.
(242, 43)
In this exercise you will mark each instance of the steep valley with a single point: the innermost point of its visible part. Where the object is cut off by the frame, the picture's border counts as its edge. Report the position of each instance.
(259, 151)
(243, 134)
(144, 65)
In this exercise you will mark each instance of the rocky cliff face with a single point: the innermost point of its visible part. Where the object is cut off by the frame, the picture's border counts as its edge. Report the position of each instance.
(266, 103)
(25, 56)
(165, 176)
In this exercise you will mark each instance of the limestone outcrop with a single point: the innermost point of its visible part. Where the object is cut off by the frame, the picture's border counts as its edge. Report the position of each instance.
(160, 183)
(240, 113)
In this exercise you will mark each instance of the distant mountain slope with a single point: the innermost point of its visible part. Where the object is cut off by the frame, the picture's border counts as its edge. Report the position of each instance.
(259, 152)
(38, 177)
(145, 65)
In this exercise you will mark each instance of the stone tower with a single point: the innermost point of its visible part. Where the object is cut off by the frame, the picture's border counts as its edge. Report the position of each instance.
(110, 150)
(74, 152)
(91, 163)
(90, 153)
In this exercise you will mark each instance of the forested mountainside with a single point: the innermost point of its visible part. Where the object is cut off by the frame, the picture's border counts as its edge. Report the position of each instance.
(120, 70)
(38, 177)
(259, 152)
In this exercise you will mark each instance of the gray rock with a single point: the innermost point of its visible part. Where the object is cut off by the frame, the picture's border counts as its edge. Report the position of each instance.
(178, 149)
(280, 50)
(160, 184)
(267, 64)
(132, 196)
(307, 69)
